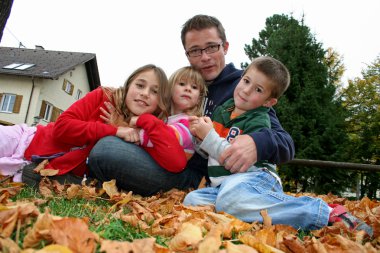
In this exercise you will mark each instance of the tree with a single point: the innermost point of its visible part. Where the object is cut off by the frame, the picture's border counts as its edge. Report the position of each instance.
(335, 67)
(308, 110)
(361, 99)
(5, 11)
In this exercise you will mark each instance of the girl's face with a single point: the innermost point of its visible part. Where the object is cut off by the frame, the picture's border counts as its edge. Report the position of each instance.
(142, 94)
(185, 95)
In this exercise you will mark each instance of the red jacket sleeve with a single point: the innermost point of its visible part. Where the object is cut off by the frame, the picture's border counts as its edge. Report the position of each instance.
(166, 150)
(80, 124)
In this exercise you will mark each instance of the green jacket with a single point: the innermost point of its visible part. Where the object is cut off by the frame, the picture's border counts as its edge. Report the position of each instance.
(225, 129)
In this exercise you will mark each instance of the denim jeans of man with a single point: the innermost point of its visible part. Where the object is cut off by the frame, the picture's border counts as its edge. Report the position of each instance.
(244, 195)
(134, 169)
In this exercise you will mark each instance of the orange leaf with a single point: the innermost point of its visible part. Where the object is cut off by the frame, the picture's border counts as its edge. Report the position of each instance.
(74, 233)
(146, 245)
(189, 236)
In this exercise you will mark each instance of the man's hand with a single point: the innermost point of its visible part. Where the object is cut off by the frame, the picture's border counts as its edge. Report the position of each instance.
(200, 126)
(241, 155)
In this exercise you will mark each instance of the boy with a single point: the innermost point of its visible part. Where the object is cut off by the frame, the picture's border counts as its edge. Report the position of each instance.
(245, 194)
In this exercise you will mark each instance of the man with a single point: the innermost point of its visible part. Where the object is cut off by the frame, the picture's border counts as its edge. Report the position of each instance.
(205, 44)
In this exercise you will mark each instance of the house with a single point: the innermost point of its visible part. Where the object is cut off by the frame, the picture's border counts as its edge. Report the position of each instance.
(37, 85)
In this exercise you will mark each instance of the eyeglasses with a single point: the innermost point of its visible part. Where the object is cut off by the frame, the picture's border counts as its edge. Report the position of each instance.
(209, 50)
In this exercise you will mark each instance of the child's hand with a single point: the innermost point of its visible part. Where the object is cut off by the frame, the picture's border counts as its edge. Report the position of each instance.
(111, 116)
(128, 134)
(193, 120)
(200, 127)
(132, 121)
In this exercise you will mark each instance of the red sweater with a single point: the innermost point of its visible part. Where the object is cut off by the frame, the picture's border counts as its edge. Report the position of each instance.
(80, 127)
(167, 150)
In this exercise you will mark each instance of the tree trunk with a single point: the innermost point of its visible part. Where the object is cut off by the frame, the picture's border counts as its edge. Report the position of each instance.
(5, 11)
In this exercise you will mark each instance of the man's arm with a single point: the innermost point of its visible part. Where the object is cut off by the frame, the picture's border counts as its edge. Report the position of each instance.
(274, 145)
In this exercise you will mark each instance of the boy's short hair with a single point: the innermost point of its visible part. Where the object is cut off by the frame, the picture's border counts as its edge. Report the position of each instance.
(200, 22)
(275, 70)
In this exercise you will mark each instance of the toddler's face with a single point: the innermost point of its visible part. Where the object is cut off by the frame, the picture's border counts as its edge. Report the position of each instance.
(185, 95)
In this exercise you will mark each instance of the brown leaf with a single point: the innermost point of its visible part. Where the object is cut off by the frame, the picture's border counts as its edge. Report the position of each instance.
(241, 248)
(74, 233)
(45, 188)
(267, 220)
(146, 245)
(8, 219)
(73, 191)
(40, 231)
(339, 244)
(212, 241)
(189, 236)
(41, 166)
(8, 245)
(48, 172)
(294, 244)
(111, 188)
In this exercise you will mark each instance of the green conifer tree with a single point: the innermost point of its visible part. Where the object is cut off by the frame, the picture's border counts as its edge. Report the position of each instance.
(308, 110)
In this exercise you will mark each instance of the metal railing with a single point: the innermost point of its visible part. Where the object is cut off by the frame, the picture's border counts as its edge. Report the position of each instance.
(330, 164)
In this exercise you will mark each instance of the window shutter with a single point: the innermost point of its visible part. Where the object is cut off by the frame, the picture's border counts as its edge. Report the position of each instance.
(43, 108)
(55, 114)
(71, 89)
(1, 96)
(17, 105)
(64, 85)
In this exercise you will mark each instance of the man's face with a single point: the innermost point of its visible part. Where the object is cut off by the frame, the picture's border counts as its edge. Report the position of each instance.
(209, 64)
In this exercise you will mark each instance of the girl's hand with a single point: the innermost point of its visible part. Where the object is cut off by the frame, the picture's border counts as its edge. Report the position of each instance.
(133, 120)
(200, 127)
(111, 116)
(128, 134)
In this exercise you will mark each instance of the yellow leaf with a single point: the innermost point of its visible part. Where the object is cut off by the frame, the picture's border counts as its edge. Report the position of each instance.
(48, 172)
(54, 248)
(110, 188)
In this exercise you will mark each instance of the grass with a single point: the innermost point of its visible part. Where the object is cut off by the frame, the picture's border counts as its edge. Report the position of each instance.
(97, 211)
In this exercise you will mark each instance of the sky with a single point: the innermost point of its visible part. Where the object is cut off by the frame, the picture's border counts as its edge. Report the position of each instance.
(125, 34)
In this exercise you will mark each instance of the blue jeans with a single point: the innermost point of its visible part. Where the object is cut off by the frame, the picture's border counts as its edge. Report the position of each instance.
(134, 169)
(243, 195)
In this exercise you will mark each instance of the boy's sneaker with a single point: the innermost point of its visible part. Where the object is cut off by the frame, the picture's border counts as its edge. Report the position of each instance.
(340, 213)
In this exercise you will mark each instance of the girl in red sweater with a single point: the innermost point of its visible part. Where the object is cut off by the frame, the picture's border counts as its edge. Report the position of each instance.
(184, 97)
(67, 142)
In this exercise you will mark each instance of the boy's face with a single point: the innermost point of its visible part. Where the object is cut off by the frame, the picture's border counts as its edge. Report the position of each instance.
(253, 90)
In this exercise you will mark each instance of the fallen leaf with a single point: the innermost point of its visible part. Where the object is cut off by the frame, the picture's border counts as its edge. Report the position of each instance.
(189, 236)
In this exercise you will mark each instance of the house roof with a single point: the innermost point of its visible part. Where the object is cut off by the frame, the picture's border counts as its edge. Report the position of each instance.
(47, 64)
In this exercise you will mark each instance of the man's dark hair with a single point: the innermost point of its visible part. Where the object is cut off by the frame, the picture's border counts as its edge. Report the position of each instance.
(200, 22)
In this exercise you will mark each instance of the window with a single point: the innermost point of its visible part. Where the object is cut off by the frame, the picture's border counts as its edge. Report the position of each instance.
(10, 103)
(49, 112)
(68, 87)
(19, 66)
(79, 94)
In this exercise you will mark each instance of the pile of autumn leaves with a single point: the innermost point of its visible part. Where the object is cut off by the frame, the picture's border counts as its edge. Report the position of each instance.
(188, 229)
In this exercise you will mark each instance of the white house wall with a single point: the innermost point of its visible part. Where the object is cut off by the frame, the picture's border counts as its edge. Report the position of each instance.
(53, 93)
(20, 86)
(44, 89)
